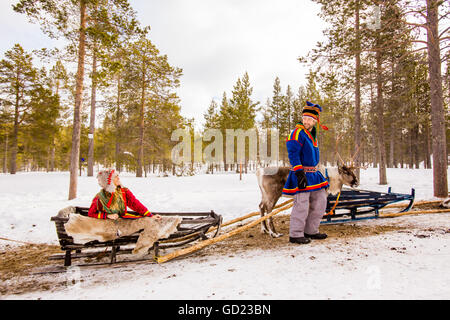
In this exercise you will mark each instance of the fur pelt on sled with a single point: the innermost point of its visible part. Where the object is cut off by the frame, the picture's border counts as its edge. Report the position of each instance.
(84, 229)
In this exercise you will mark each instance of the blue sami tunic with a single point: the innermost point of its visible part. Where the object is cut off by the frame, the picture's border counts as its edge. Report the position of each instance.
(303, 150)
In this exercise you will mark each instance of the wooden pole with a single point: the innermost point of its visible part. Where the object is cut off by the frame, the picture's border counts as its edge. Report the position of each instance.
(252, 214)
(208, 242)
(393, 215)
(415, 204)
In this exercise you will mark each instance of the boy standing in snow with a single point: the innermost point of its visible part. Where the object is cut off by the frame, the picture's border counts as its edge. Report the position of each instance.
(305, 183)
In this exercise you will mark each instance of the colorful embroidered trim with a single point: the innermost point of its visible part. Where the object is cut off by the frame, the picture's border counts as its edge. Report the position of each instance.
(109, 177)
(313, 187)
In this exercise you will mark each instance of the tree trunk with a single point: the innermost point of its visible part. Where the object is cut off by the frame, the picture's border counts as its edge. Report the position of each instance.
(402, 153)
(437, 107)
(75, 152)
(13, 165)
(380, 112)
(5, 162)
(92, 120)
(52, 157)
(357, 161)
(427, 146)
(373, 135)
(391, 146)
(375, 154)
(118, 162)
(410, 149)
(141, 130)
(392, 127)
(416, 146)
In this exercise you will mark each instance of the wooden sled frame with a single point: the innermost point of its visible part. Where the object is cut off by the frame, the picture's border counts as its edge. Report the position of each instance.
(193, 226)
(355, 204)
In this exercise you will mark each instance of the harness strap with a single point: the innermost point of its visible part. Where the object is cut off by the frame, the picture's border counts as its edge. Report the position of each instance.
(334, 207)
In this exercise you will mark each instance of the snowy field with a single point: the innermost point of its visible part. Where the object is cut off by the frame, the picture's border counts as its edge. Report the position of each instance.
(401, 265)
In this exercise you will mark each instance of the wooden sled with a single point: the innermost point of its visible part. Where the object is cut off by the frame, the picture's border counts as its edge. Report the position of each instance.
(194, 226)
(354, 204)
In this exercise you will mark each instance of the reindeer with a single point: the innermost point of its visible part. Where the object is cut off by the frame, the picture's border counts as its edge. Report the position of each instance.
(271, 181)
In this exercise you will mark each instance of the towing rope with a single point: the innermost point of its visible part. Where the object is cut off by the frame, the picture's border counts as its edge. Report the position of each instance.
(18, 241)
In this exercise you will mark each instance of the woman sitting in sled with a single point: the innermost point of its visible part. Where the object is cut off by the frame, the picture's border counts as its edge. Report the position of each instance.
(113, 199)
(111, 219)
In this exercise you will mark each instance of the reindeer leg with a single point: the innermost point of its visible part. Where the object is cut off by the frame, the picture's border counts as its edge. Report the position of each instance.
(272, 232)
(262, 209)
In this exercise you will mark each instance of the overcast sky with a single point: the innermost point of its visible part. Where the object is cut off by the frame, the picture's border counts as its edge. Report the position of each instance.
(213, 41)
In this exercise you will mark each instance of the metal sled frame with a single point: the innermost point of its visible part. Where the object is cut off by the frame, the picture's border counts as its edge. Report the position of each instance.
(194, 226)
(357, 204)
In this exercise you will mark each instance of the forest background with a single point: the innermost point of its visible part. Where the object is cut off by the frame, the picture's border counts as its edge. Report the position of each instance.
(106, 96)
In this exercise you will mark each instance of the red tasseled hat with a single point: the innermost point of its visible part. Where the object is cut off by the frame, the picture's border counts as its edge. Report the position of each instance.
(106, 178)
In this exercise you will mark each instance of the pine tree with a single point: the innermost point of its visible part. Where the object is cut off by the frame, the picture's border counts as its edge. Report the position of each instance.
(224, 122)
(243, 109)
(69, 18)
(152, 78)
(17, 78)
(211, 116)
(276, 106)
(42, 124)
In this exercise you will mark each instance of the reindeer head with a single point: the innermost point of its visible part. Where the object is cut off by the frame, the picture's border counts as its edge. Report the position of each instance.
(348, 176)
(347, 172)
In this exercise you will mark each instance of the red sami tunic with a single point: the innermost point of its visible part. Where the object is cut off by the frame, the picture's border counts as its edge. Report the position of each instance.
(96, 209)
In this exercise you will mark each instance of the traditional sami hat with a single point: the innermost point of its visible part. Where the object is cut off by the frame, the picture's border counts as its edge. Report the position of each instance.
(105, 179)
(313, 110)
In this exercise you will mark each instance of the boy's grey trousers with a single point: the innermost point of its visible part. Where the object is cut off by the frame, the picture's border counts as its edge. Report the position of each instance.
(308, 210)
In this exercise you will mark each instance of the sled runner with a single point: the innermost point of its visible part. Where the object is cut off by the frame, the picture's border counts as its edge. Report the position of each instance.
(194, 226)
(353, 204)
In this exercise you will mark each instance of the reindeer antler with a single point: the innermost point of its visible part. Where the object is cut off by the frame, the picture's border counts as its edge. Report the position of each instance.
(352, 160)
(336, 149)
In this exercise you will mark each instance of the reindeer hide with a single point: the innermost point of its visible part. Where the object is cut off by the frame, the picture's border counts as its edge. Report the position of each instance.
(84, 229)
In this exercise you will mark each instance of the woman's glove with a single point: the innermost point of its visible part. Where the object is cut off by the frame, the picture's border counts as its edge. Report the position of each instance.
(301, 179)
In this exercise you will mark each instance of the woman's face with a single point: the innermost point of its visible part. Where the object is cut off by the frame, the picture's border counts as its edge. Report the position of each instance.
(116, 181)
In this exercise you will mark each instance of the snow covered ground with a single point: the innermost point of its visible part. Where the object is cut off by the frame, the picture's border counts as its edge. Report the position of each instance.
(397, 265)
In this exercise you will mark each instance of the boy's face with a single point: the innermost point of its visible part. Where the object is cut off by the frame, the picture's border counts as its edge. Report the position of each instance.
(309, 122)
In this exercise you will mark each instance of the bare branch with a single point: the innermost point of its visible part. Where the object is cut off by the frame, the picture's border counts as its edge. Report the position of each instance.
(444, 16)
(442, 33)
(420, 41)
(415, 11)
(423, 25)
